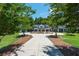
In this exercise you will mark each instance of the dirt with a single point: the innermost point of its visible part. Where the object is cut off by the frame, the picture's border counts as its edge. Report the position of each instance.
(6, 51)
(22, 40)
(59, 42)
(65, 48)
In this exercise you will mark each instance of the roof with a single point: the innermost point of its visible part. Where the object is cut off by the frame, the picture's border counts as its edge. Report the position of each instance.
(41, 26)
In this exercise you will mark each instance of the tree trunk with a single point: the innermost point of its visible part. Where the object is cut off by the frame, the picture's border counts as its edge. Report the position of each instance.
(23, 33)
(56, 32)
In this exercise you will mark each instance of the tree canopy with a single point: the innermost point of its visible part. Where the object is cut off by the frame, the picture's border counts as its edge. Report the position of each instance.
(18, 16)
(65, 14)
(14, 14)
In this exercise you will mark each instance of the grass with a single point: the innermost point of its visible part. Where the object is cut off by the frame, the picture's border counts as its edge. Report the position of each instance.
(8, 39)
(72, 39)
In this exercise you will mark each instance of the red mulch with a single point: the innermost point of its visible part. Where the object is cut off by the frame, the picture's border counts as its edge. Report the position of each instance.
(65, 48)
(59, 42)
(22, 40)
(9, 49)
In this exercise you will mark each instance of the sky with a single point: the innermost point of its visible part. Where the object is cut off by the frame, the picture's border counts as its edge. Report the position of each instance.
(42, 10)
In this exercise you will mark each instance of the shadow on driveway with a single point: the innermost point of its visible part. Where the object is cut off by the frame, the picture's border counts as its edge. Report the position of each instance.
(52, 51)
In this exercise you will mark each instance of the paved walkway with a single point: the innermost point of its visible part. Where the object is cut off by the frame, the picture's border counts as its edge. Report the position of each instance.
(39, 45)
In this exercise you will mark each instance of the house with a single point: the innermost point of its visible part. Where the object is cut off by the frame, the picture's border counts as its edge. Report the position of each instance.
(42, 28)
(62, 28)
(47, 28)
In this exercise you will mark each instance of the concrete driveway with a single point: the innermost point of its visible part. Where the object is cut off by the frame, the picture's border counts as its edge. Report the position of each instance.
(39, 45)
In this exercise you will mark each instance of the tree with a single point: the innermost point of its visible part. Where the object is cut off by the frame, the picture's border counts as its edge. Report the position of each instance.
(26, 23)
(56, 15)
(41, 20)
(72, 17)
(12, 15)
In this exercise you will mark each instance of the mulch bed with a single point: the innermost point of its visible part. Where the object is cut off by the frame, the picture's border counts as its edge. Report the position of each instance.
(6, 51)
(22, 40)
(65, 48)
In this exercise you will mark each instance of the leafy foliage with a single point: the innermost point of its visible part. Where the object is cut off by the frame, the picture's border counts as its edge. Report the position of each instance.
(65, 14)
(12, 15)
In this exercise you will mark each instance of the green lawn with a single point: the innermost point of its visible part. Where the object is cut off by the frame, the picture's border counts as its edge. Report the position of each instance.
(8, 39)
(73, 40)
